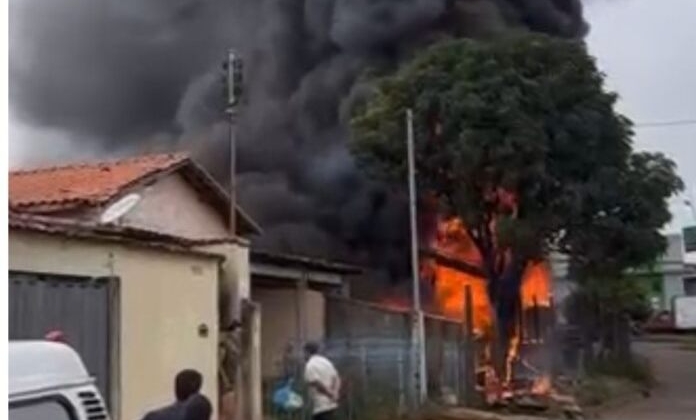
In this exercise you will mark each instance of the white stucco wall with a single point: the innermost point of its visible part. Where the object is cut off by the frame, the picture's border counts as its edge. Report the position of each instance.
(235, 274)
(163, 296)
(172, 206)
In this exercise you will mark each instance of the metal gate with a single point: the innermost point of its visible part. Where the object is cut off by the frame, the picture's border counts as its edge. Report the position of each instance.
(77, 306)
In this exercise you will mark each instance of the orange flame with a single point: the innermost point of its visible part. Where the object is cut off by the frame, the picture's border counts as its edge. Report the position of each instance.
(452, 240)
(536, 285)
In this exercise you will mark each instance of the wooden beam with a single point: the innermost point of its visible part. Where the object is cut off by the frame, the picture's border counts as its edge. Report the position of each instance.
(453, 262)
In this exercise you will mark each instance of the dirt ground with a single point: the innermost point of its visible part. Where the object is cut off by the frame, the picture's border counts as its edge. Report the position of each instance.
(674, 364)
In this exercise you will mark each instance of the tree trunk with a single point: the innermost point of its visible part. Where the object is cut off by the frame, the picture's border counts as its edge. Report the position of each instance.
(505, 298)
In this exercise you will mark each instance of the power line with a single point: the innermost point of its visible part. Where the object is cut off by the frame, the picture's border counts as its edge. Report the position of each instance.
(666, 123)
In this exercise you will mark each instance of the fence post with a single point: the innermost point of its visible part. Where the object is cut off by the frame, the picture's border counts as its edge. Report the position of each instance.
(537, 322)
(459, 375)
(469, 351)
(402, 385)
(364, 373)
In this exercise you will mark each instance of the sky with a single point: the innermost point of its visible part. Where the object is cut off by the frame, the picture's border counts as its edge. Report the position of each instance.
(646, 48)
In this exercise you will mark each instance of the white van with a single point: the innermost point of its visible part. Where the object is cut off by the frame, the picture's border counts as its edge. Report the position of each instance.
(48, 381)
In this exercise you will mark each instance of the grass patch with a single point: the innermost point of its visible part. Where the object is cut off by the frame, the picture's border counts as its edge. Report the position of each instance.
(667, 338)
(636, 369)
(599, 390)
(688, 346)
(613, 379)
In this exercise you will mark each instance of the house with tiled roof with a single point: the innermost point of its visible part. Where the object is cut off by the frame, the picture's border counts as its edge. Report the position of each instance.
(173, 193)
(146, 242)
(129, 259)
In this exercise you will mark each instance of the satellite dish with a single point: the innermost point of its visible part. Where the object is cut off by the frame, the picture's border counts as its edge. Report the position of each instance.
(119, 208)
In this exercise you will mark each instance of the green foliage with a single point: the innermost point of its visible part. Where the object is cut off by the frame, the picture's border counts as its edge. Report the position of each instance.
(619, 225)
(526, 115)
(636, 369)
(626, 295)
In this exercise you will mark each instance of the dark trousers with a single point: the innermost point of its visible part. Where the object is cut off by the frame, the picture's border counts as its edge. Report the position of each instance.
(326, 415)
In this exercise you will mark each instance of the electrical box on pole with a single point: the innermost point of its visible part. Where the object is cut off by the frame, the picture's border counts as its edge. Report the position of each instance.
(233, 79)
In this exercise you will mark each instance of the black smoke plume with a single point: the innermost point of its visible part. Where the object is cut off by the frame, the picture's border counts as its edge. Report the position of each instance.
(127, 74)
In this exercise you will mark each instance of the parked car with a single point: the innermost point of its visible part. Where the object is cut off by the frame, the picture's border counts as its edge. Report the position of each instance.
(49, 381)
(659, 322)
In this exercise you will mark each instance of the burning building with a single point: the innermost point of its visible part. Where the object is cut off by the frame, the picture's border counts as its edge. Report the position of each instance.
(133, 75)
(453, 265)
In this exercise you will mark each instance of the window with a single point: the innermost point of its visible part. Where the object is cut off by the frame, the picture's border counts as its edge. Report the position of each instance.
(40, 410)
(690, 286)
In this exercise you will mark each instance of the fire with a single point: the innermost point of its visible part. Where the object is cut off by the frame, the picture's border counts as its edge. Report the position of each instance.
(452, 241)
(396, 303)
(542, 385)
(536, 286)
(449, 294)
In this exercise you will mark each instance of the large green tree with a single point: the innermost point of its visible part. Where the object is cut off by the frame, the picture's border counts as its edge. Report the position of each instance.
(519, 138)
(618, 230)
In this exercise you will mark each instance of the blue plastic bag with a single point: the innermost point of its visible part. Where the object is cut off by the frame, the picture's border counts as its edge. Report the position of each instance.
(286, 399)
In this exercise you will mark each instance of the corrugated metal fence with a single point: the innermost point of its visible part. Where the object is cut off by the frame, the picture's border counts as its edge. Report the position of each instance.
(79, 307)
(370, 346)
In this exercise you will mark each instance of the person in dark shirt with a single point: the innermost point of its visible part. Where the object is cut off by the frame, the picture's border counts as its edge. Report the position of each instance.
(187, 383)
(198, 407)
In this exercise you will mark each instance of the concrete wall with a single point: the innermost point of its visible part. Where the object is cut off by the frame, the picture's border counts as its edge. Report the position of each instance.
(235, 281)
(672, 265)
(672, 286)
(675, 249)
(172, 206)
(279, 324)
(164, 297)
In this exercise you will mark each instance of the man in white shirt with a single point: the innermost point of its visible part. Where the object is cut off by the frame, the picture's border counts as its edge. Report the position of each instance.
(323, 381)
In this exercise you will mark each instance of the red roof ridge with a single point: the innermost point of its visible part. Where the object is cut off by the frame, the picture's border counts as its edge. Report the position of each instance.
(177, 157)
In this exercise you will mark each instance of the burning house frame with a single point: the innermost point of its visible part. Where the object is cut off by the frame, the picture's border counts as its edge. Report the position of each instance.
(452, 267)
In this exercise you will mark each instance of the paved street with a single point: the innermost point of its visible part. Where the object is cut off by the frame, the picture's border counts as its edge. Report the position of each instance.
(675, 396)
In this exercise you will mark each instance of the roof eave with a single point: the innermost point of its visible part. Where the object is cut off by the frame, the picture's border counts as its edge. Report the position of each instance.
(220, 194)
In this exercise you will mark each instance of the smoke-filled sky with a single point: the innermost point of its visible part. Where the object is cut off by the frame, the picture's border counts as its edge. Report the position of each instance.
(109, 77)
(103, 78)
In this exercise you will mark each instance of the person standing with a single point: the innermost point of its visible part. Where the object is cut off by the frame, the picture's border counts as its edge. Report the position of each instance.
(323, 381)
(187, 383)
(198, 407)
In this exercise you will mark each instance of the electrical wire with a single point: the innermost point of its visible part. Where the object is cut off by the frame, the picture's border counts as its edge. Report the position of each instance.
(674, 123)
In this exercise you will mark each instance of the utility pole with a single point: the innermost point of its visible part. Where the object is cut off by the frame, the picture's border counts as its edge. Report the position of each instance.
(418, 332)
(245, 398)
(233, 83)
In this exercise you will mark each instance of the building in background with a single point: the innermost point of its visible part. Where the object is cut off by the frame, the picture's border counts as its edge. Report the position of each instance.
(670, 277)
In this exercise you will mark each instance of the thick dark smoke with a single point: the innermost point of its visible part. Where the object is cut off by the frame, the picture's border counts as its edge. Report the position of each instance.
(128, 73)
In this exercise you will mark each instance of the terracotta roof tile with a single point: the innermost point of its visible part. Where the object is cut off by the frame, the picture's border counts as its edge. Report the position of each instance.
(95, 183)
